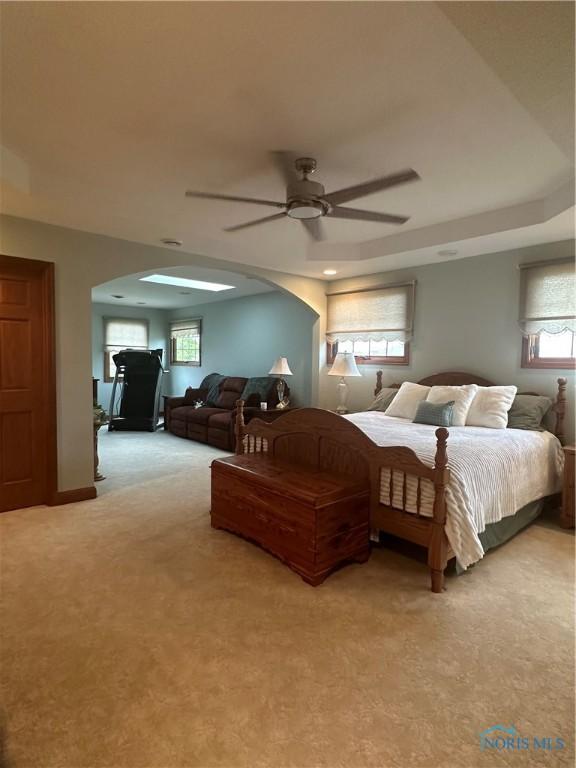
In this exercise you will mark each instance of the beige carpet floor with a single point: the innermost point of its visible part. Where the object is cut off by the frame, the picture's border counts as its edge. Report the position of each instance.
(135, 636)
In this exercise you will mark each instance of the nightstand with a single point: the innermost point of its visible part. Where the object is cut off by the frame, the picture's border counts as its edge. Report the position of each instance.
(567, 511)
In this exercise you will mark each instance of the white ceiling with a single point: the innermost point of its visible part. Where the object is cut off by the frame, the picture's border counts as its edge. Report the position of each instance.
(112, 110)
(135, 292)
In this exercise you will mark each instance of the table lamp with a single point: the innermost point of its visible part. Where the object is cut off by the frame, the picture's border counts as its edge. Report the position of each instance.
(281, 368)
(344, 365)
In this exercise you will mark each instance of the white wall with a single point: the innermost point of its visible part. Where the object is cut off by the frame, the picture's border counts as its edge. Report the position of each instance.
(466, 319)
(157, 339)
(243, 337)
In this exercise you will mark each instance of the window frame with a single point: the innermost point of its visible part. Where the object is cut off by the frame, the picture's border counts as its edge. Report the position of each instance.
(404, 360)
(172, 346)
(530, 354)
(532, 359)
(110, 349)
(332, 351)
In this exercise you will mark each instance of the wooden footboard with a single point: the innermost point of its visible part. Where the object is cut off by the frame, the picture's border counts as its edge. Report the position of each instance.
(323, 440)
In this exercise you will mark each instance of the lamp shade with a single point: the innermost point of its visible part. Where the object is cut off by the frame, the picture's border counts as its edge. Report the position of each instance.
(281, 367)
(344, 365)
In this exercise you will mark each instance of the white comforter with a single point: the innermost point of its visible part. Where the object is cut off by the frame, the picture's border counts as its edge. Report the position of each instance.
(494, 473)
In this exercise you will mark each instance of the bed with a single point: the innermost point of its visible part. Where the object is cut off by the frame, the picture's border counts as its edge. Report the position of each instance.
(451, 491)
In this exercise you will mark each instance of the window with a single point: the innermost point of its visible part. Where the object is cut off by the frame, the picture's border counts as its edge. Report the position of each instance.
(548, 314)
(375, 324)
(122, 333)
(185, 342)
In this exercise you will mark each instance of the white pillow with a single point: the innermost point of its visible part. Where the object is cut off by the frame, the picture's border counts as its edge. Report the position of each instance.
(406, 402)
(462, 397)
(490, 407)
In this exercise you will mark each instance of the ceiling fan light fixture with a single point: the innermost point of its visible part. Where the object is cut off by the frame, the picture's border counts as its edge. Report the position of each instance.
(305, 209)
(307, 200)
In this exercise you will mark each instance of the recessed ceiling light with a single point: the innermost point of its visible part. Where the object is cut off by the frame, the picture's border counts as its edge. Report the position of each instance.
(330, 272)
(171, 241)
(116, 296)
(140, 302)
(200, 285)
(448, 252)
(185, 293)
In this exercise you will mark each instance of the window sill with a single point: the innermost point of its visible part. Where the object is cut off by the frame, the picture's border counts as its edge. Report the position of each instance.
(547, 363)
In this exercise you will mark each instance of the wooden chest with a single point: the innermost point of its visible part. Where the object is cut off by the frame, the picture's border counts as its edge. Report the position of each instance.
(313, 521)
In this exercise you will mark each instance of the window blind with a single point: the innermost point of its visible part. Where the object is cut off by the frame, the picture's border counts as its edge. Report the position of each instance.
(547, 297)
(126, 332)
(185, 328)
(378, 314)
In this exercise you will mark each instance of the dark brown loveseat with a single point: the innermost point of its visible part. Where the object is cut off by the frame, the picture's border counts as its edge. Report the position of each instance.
(213, 423)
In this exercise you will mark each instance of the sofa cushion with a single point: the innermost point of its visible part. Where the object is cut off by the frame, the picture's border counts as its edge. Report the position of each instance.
(201, 415)
(230, 390)
(221, 420)
(181, 413)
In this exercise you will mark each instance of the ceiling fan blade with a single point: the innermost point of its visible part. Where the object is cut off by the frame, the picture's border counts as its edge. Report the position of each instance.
(233, 198)
(356, 215)
(369, 187)
(314, 228)
(255, 222)
(284, 162)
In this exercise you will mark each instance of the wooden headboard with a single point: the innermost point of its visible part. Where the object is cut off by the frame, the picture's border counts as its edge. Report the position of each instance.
(459, 378)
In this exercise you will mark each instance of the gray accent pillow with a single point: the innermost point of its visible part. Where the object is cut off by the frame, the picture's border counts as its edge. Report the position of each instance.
(383, 399)
(436, 414)
(528, 411)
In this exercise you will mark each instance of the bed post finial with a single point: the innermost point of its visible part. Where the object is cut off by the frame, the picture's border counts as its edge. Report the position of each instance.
(240, 427)
(438, 545)
(378, 383)
(441, 459)
(560, 409)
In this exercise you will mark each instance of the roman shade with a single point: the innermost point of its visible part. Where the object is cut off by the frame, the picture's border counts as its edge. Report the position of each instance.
(125, 332)
(185, 328)
(547, 297)
(376, 314)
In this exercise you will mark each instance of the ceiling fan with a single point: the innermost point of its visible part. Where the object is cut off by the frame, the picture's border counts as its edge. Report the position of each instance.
(307, 201)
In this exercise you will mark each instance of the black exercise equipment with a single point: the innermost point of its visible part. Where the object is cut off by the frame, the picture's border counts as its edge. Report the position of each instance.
(136, 389)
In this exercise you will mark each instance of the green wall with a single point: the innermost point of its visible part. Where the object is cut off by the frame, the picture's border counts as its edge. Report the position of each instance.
(466, 319)
(243, 337)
